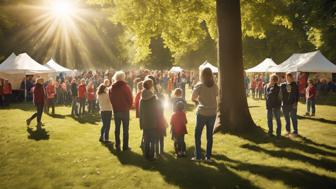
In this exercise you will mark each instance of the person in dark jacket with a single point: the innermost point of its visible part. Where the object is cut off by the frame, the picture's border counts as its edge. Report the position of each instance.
(290, 98)
(148, 118)
(38, 98)
(122, 101)
(273, 104)
(74, 94)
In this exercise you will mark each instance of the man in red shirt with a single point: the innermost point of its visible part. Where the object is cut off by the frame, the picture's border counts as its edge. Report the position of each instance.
(38, 99)
(122, 101)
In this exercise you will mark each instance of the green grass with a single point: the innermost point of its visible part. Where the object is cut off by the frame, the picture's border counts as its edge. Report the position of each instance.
(67, 154)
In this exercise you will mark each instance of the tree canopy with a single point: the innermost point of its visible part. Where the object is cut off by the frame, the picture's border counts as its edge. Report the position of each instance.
(160, 33)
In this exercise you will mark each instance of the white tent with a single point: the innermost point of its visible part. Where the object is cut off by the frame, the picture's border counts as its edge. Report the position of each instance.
(176, 69)
(15, 68)
(264, 66)
(206, 64)
(51, 64)
(306, 62)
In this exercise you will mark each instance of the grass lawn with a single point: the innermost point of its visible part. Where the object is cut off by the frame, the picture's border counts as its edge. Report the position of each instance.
(67, 154)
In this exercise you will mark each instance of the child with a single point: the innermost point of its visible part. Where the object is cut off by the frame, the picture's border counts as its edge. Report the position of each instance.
(273, 103)
(177, 97)
(260, 86)
(178, 123)
(82, 97)
(148, 118)
(310, 98)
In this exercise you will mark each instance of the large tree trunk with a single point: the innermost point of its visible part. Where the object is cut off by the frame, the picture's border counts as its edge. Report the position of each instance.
(233, 112)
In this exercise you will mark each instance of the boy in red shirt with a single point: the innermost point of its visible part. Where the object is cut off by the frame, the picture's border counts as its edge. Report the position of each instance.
(82, 97)
(310, 98)
(178, 123)
(7, 92)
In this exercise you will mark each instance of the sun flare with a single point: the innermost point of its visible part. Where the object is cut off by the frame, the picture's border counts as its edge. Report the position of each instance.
(62, 8)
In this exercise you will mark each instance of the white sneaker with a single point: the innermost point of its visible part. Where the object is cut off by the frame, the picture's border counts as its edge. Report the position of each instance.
(208, 160)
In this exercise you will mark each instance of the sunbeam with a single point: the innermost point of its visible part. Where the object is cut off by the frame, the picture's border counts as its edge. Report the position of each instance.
(65, 30)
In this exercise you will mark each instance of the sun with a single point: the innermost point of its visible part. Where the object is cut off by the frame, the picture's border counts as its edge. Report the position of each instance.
(62, 8)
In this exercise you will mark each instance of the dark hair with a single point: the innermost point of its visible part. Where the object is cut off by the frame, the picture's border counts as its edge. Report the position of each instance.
(148, 83)
(101, 89)
(207, 77)
(154, 82)
(289, 75)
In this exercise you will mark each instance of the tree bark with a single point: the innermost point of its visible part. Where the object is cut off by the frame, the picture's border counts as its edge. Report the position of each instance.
(233, 112)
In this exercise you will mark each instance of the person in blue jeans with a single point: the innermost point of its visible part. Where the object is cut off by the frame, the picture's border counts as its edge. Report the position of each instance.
(290, 98)
(122, 101)
(310, 98)
(273, 104)
(105, 107)
(205, 96)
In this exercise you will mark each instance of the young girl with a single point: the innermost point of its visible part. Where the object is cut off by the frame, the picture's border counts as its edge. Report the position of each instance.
(310, 98)
(177, 97)
(178, 123)
(105, 107)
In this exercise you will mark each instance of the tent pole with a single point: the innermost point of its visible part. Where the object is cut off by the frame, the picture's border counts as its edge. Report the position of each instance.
(25, 92)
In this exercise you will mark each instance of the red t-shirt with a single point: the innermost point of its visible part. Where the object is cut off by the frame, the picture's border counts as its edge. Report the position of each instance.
(91, 94)
(310, 92)
(178, 122)
(81, 91)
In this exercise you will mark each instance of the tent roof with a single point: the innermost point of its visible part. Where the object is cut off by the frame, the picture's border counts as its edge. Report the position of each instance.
(206, 64)
(306, 62)
(51, 64)
(22, 64)
(176, 69)
(264, 66)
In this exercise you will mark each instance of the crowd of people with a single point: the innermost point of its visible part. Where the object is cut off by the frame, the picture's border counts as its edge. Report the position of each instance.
(113, 97)
(112, 94)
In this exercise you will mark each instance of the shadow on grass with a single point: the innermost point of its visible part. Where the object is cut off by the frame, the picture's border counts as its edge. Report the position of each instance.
(183, 172)
(57, 116)
(322, 120)
(87, 118)
(296, 178)
(258, 136)
(38, 134)
(321, 163)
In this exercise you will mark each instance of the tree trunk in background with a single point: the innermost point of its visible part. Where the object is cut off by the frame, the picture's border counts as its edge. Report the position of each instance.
(234, 114)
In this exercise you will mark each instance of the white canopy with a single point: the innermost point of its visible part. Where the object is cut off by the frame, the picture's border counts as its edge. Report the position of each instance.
(306, 62)
(51, 64)
(15, 68)
(22, 64)
(206, 64)
(176, 69)
(264, 66)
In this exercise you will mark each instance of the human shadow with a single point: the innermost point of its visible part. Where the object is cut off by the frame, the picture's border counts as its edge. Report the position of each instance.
(292, 177)
(322, 120)
(254, 106)
(183, 172)
(57, 116)
(86, 118)
(258, 136)
(323, 162)
(37, 134)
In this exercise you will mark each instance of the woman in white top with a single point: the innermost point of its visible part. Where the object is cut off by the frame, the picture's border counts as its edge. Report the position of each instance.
(205, 95)
(105, 112)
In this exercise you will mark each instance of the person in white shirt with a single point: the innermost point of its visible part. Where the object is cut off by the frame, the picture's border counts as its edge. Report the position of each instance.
(105, 107)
